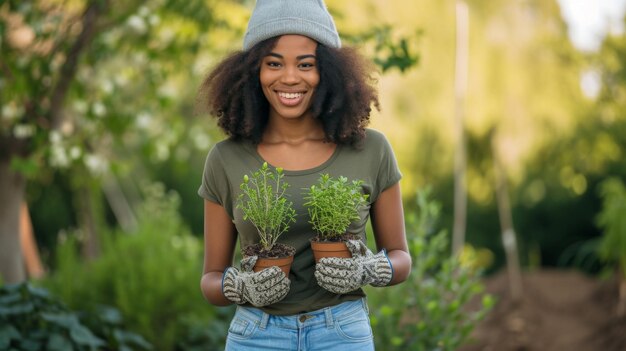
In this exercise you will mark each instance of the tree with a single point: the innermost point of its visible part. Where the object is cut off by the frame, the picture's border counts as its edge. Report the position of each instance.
(82, 81)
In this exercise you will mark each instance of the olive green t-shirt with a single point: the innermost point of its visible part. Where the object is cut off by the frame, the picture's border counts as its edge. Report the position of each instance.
(228, 161)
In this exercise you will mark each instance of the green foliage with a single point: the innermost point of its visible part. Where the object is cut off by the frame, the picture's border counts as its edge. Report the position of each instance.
(612, 219)
(151, 275)
(333, 204)
(434, 312)
(135, 51)
(32, 319)
(75, 106)
(389, 52)
(264, 204)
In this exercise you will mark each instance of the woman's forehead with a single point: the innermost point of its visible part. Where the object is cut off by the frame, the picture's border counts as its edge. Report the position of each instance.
(291, 43)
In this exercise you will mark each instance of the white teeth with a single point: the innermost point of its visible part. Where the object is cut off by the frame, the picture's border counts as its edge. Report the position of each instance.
(290, 95)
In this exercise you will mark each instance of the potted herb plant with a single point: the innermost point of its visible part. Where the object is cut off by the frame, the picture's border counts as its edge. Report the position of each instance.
(264, 204)
(333, 203)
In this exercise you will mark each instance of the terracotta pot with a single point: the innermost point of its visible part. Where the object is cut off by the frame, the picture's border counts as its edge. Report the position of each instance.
(284, 263)
(276, 256)
(329, 249)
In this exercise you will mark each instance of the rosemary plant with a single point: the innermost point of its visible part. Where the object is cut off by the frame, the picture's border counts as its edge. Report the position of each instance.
(264, 204)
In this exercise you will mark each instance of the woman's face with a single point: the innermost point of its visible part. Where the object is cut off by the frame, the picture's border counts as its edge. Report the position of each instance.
(289, 76)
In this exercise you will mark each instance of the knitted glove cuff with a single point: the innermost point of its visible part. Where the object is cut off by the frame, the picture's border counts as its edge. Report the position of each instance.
(379, 269)
(232, 285)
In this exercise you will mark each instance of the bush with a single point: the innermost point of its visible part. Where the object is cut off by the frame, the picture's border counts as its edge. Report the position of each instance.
(151, 275)
(612, 219)
(433, 313)
(31, 319)
(613, 243)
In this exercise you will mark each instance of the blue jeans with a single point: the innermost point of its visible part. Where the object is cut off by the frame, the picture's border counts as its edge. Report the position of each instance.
(344, 327)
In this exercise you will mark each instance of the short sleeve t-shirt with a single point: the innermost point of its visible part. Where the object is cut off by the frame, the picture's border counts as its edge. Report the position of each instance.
(228, 161)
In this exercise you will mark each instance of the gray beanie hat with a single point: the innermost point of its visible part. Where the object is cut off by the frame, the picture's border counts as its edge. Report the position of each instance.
(272, 18)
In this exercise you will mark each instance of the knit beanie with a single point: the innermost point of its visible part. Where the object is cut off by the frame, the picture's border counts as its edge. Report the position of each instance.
(272, 18)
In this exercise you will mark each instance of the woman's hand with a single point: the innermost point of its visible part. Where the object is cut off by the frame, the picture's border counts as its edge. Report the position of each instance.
(343, 275)
(260, 289)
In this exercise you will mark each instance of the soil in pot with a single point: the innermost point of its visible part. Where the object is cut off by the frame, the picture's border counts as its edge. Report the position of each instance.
(280, 255)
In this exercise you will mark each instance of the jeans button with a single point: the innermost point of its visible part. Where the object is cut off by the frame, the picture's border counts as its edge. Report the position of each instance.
(302, 318)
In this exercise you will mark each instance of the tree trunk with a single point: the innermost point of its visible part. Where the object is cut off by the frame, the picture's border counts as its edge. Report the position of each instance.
(89, 210)
(509, 238)
(12, 187)
(32, 259)
(460, 155)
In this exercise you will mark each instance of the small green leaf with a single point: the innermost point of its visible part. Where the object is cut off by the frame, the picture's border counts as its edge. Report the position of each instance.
(488, 301)
(386, 310)
(38, 292)
(58, 342)
(22, 308)
(110, 315)
(11, 288)
(29, 345)
(124, 337)
(8, 333)
(84, 336)
(26, 166)
(397, 341)
(65, 320)
(10, 298)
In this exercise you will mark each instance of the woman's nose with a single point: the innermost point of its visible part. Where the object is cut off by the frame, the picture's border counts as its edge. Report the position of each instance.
(290, 75)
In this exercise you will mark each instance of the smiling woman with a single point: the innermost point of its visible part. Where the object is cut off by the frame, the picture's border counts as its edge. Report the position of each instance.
(296, 100)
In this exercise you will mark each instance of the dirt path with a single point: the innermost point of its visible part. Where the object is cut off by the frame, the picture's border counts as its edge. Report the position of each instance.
(560, 310)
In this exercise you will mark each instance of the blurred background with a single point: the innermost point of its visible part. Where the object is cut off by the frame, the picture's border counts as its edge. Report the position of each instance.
(512, 113)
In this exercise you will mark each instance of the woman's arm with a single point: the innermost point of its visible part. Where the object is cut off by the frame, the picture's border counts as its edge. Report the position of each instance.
(387, 216)
(220, 238)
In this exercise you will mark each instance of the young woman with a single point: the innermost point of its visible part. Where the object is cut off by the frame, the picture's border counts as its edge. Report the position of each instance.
(294, 98)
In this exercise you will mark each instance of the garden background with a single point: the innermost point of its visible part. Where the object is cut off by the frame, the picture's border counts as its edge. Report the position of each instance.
(101, 142)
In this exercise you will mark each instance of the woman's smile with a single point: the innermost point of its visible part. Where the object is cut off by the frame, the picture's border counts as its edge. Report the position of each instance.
(290, 99)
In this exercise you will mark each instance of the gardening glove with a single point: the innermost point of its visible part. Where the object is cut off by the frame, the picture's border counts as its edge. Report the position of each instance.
(343, 275)
(260, 289)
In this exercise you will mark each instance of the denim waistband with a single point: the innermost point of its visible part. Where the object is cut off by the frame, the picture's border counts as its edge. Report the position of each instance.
(326, 315)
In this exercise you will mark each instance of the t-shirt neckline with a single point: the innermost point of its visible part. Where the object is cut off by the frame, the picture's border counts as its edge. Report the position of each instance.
(252, 148)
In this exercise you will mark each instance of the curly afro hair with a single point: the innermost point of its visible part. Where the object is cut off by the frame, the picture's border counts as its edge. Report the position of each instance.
(342, 102)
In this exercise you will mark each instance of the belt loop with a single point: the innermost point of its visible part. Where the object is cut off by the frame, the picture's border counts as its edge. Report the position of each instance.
(329, 317)
(264, 319)
(365, 307)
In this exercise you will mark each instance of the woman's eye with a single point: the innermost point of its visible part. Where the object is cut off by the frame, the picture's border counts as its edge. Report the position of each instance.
(307, 65)
(273, 64)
